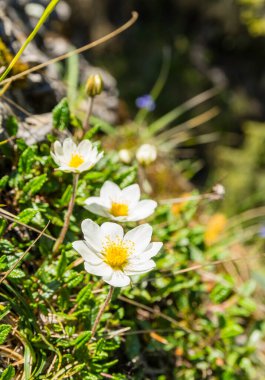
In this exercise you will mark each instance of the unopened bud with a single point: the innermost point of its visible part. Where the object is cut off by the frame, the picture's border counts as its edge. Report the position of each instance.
(94, 85)
(125, 156)
(146, 154)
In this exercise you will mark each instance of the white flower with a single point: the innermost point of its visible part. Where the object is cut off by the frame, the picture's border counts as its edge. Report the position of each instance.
(146, 154)
(72, 158)
(120, 205)
(109, 253)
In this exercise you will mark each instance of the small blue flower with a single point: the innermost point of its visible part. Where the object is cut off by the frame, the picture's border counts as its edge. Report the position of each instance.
(146, 102)
(262, 231)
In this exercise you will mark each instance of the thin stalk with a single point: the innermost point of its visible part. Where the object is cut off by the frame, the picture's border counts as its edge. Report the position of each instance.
(91, 45)
(101, 311)
(41, 21)
(90, 101)
(61, 237)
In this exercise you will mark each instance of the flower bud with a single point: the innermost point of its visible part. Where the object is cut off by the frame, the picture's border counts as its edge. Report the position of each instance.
(146, 154)
(125, 156)
(94, 85)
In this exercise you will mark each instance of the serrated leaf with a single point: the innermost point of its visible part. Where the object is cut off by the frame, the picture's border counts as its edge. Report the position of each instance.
(6, 247)
(16, 273)
(26, 161)
(84, 295)
(8, 373)
(61, 115)
(27, 215)
(4, 331)
(100, 345)
(35, 184)
(74, 280)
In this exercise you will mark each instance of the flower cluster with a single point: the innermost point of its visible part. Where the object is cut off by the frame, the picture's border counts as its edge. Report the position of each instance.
(108, 251)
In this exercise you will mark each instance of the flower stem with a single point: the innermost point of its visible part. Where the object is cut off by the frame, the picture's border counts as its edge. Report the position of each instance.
(88, 114)
(101, 311)
(61, 237)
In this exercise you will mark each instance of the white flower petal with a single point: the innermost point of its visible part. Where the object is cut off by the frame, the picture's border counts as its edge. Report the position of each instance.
(101, 269)
(111, 231)
(86, 165)
(84, 148)
(141, 236)
(69, 147)
(142, 210)
(131, 194)
(58, 149)
(88, 255)
(66, 168)
(92, 234)
(134, 269)
(96, 207)
(151, 251)
(110, 191)
(90, 161)
(118, 279)
(56, 159)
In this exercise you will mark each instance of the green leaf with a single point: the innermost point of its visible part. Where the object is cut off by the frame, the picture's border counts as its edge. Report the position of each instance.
(6, 246)
(61, 115)
(26, 161)
(4, 311)
(27, 215)
(3, 263)
(74, 279)
(4, 181)
(3, 224)
(91, 132)
(16, 273)
(84, 295)
(82, 339)
(231, 330)
(8, 373)
(62, 265)
(35, 184)
(65, 199)
(4, 331)
(11, 125)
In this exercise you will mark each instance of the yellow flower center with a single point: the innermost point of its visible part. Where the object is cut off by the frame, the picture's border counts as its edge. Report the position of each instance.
(76, 160)
(119, 209)
(116, 253)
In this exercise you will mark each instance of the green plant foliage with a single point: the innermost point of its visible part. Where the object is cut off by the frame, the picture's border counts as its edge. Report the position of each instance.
(4, 331)
(8, 373)
(61, 115)
(199, 324)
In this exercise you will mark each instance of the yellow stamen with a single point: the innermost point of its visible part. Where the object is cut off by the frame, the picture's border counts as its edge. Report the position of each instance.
(119, 209)
(76, 160)
(116, 253)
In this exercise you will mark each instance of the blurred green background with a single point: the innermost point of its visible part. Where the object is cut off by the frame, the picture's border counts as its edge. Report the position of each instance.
(216, 43)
